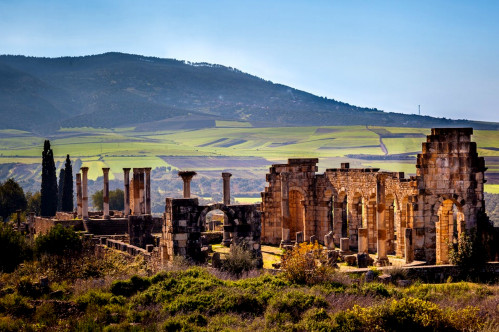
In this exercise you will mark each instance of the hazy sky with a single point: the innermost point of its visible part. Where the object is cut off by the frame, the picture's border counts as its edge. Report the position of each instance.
(392, 55)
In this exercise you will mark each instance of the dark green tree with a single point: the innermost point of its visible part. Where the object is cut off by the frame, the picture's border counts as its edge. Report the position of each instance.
(116, 200)
(11, 198)
(49, 182)
(67, 191)
(34, 202)
(14, 248)
(60, 189)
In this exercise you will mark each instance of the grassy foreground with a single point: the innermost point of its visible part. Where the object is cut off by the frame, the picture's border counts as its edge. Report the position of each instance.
(196, 299)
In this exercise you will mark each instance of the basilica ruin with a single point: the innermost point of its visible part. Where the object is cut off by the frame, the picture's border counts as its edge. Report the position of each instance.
(382, 212)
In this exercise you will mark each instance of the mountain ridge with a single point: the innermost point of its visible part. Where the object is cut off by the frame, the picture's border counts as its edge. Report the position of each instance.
(118, 89)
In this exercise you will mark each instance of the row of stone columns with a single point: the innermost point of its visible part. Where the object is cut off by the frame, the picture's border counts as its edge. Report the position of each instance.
(141, 191)
(188, 175)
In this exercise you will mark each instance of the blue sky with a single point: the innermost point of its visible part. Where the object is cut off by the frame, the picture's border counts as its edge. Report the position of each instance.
(392, 55)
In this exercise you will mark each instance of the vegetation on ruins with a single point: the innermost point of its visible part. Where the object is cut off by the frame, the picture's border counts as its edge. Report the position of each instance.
(49, 182)
(67, 190)
(11, 198)
(306, 263)
(238, 260)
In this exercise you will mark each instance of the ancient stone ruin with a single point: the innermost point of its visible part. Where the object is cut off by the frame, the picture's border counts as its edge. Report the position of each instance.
(382, 212)
(185, 220)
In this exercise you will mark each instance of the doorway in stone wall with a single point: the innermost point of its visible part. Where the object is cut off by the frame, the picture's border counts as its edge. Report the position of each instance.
(449, 227)
(214, 221)
(296, 213)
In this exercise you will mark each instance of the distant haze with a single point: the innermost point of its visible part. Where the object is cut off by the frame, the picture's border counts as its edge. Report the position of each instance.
(394, 56)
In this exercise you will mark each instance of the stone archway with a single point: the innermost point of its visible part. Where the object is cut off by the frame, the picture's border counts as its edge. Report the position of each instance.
(450, 225)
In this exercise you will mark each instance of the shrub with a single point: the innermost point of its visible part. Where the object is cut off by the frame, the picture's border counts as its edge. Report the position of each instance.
(59, 241)
(238, 260)
(408, 314)
(130, 287)
(306, 264)
(468, 254)
(290, 306)
(13, 247)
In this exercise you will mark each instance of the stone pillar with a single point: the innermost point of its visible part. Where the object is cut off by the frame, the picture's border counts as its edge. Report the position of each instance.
(363, 246)
(286, 240)
(344, 244)
(136, 192)
(409, 247)
(299, 237)
(78, 195)
(84, 193)
(147, 189)
(328, 241)
(226, 187)
(126, 180)
(187, 177)
(285, 201)
(105, 193)
(380, 222)
(142, 201)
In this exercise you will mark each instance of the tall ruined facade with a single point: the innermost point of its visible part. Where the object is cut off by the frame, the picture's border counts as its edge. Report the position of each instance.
(415, 218)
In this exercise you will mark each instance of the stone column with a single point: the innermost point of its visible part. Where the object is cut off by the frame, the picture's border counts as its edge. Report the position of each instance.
(105, 193)
(363, 247)
(78, 195)
(142, 198)
(284, 200)
(126, 180)
(84, 193)
(226, 187)
(136, 192)
(409, 247)
(187, 177)
(147, 189)
(380, 222)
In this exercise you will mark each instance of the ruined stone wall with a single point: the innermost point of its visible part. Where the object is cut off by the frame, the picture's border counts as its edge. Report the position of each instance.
(414, 218)
(185, 219)
(449, 174)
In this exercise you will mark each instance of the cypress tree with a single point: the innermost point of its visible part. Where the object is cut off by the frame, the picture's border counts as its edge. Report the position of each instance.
(60, 190)
(67, 192)
(49, 182)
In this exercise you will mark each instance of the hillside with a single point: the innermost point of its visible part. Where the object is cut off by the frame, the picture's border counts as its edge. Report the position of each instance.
(114, 89)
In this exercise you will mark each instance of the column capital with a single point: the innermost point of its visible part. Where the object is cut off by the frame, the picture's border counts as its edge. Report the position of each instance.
(126, 169)
(105, 169)
(186, 175)
(84, 169)
(226, 175)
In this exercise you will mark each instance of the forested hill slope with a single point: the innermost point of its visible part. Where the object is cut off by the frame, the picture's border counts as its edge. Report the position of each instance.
(116, 89)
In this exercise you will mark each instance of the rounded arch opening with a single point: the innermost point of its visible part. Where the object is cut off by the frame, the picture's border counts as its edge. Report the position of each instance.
(296, 212)
(449, 227)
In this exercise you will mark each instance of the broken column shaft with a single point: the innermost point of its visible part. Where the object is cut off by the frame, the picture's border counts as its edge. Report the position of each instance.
(78, 195)
(105, 193)
(126, 180)
(84, 193)
(147, 190)
(187, 177)
(226, 187)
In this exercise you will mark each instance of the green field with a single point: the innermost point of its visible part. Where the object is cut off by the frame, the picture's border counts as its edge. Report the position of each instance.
(126, 147)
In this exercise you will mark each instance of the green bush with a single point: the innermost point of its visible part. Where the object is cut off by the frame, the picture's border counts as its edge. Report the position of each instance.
(408, 314)
(59, 241)
(14, 248)
(129, 287)
(238, 260)
(290, 306)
